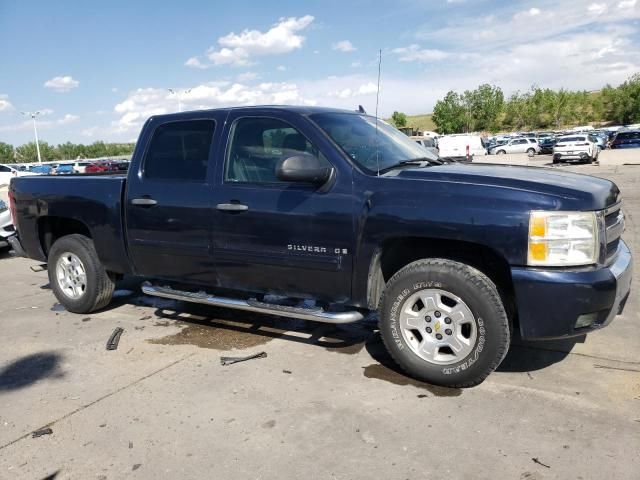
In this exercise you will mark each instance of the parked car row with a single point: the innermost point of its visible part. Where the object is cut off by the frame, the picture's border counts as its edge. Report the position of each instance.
(63, 168)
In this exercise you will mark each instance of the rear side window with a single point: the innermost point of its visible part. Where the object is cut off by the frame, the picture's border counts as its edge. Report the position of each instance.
(180, 151)
(571, 139)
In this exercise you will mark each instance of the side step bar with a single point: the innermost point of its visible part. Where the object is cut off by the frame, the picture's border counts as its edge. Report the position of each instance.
(252, 305)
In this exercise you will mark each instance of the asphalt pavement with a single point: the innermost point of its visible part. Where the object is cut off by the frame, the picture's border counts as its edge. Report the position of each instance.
(326, 402)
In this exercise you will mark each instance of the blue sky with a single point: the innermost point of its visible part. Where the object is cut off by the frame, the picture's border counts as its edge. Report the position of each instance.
(98, 70)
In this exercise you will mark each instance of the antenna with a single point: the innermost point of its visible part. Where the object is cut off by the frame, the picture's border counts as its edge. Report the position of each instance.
(377, 101)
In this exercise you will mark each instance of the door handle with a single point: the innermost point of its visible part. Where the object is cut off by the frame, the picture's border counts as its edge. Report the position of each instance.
(232, 207)
(144, 202)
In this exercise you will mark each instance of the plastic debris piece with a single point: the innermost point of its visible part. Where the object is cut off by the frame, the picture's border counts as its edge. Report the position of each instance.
(114, 339)
(232, 360)
(41, 432)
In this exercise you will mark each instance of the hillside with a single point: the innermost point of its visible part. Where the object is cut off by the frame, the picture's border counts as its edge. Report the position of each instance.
(421, 122)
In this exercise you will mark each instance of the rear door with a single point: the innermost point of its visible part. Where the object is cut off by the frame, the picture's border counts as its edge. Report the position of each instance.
(168, 199)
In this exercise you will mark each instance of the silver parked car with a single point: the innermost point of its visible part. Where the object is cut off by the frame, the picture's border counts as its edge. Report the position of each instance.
(517, 145)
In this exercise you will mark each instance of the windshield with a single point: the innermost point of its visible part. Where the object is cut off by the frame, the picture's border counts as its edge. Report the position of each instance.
(356, 135)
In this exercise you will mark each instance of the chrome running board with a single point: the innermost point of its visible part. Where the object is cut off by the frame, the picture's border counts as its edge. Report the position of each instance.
(316, 314)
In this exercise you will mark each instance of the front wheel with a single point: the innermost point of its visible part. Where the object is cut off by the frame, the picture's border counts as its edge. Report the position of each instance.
(531, 152)
(444, 323)
(77, 278)
(500, 152)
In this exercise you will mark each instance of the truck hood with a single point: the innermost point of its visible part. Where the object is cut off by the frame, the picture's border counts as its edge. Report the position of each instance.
(582, 191)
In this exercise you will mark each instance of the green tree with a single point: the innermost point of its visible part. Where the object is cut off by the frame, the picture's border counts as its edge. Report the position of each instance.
(399, 119)
(449, 114)
(28, 153)
(483, 107)
(6, 153)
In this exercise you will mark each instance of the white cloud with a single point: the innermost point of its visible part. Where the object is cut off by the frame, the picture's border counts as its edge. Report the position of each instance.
(62, 83)
(5, 104)
(114, 89)
(532, 12)
(68, 118)
(281, 68)
(145, 102)
(415, 53)
(364, 89)
(627, 4)
(241, 49)
(597, 8)
(344, 46)
(194, 62)
(357, 64)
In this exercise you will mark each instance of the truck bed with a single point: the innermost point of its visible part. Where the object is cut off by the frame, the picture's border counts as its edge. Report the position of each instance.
(92, 200)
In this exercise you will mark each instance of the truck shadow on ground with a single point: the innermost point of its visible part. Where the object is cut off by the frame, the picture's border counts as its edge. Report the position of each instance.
(28, 370)
(225, 329)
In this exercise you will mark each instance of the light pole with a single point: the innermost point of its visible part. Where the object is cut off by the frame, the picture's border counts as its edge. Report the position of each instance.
(179, 94)
(33, 116)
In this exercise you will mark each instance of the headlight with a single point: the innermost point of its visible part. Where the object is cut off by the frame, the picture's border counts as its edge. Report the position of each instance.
(562, 239)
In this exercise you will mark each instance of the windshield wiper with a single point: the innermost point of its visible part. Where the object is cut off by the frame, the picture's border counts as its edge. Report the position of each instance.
(411, 161)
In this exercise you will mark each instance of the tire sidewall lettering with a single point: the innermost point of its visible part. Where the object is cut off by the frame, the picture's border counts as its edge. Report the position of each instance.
(394, 324)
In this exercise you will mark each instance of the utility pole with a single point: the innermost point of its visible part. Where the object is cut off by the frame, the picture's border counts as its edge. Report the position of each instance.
(178, 93)
(33, 116)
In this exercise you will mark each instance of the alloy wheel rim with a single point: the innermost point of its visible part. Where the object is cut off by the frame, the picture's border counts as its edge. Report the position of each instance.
(71, 275)
(438, 326)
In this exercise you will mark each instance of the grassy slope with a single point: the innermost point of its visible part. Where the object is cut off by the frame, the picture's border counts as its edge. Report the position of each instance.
(420, 122)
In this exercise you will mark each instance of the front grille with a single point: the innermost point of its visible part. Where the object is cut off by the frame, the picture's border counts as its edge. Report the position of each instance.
(614, 226)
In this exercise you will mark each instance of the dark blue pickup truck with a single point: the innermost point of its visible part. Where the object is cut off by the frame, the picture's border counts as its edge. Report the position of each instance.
(327, 215)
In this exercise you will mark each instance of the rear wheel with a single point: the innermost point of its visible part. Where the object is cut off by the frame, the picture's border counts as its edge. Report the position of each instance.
(77, 278)
(500, 152)
(556, 159)
(444, 323)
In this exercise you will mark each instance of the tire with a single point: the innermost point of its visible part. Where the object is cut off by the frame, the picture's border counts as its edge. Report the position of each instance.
(556, 159)
(77, 252)
(531, 152)
(470, 289)
(500, 152)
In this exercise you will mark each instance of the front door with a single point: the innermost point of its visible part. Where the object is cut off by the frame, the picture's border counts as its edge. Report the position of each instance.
(168, 202)
(272, 236)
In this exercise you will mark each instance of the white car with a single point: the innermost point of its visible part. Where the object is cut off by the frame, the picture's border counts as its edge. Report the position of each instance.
(80, 166)
(575, 147)
(428, 143)
(6, 225)
(461, 146)
(7, 173)
(517, 145)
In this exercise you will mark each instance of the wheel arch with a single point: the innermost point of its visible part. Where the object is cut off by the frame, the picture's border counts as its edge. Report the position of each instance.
(51, 228)
(396, 253)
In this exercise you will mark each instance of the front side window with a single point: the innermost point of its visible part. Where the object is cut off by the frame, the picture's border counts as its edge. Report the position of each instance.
(258, 145)
(180, 151)
(372, 145)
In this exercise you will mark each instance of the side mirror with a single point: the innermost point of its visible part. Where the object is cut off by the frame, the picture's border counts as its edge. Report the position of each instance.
(304, 167)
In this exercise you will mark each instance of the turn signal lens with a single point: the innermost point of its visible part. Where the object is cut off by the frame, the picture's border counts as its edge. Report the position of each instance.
(562, 239)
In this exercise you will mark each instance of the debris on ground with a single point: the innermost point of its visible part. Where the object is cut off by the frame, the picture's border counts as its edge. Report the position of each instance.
(114, 339)
(41, 432)
(38, 268)
(136, 466)
(535, 460)
(289, 372)
(232, 360)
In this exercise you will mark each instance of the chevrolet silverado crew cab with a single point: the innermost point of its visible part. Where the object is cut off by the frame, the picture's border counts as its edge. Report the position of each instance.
(329, 215)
